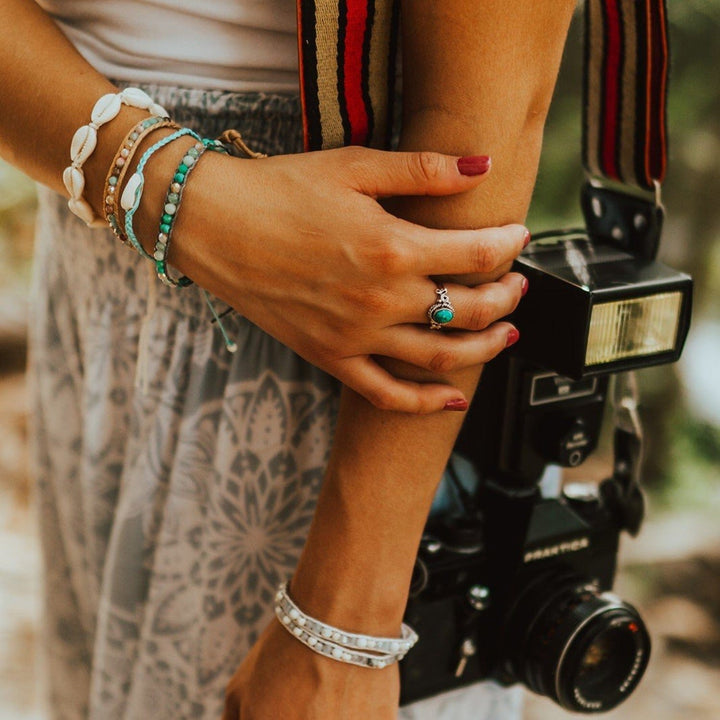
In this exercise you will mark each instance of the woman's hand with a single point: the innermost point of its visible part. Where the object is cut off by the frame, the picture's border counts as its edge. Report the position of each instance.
(281, 678)
(300, 245)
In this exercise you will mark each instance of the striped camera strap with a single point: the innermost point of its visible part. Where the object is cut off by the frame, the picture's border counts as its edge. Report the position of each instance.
(347, 71)
(625, 90)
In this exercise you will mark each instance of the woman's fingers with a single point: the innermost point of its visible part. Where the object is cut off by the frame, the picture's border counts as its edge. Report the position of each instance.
(444, 352)
(460, 252)
(386, 392)
(384, 174)
(475, 308)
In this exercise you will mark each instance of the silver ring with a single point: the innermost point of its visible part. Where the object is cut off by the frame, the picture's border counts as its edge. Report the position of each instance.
(442, 311)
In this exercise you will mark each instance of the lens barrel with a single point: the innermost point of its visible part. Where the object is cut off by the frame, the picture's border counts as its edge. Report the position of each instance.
(585, 650)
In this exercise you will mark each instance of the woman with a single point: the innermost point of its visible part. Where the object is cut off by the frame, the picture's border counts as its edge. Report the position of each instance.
(173, 506)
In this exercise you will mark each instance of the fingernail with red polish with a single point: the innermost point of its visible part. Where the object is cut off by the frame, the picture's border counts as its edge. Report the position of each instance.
(458, 405)
(512, 337)
(473, 165)
(526, 241)
(524, 285)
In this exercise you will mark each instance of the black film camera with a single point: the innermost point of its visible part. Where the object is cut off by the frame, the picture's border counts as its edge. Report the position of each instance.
(511, 584)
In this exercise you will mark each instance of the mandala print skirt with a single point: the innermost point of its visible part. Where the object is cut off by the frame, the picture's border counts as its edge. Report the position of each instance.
(177, 494)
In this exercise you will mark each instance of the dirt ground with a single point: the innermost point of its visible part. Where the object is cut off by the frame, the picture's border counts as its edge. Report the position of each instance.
(672, 572)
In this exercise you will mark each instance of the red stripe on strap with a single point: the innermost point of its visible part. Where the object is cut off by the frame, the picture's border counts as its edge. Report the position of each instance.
(357, 15)
(613, 69)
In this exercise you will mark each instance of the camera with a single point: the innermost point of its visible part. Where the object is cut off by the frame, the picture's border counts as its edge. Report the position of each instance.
(513, 578)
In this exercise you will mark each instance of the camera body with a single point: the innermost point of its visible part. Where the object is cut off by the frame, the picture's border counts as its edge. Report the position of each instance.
(513, 586)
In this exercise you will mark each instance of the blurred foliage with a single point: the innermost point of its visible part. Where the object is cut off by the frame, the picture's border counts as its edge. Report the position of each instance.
(17, 211)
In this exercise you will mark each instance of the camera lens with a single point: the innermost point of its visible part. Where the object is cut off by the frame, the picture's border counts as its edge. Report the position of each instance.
(585, 650)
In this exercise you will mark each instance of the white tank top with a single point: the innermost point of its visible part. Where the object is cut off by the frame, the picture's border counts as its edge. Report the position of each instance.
(238, 45)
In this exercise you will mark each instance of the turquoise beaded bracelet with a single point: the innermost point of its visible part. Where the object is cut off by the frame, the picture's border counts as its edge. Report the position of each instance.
(173, 198)
(132, 195)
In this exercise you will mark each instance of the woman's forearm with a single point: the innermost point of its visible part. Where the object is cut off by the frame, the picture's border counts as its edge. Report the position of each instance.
(478, 78)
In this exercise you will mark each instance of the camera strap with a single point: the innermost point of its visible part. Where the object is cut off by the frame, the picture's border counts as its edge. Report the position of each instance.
(625, 89)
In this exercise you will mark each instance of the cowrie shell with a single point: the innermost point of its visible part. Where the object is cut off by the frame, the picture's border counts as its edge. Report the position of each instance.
(135, 97)
(106, 108)
(83, 144)
(158, 110)
(82, 210)
(130, 193)
(74, 181)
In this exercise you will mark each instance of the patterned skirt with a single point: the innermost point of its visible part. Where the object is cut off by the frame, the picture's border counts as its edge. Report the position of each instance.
(176, 493)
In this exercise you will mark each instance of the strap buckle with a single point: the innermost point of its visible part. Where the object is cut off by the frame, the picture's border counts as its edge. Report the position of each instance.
(628, 221)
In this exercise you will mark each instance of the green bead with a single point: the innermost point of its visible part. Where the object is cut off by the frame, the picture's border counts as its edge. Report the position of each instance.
(166, 219)
(443, 316)
(179, 177)
(165, 228)
(160, 266)
(182, 168)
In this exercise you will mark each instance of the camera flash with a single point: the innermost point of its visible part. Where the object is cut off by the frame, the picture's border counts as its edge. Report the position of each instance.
(637, 327)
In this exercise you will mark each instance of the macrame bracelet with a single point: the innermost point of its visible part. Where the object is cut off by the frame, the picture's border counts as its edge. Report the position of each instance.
(132, 194)
(121, 163)
(84, 143)
(363, 650)
(171, 206)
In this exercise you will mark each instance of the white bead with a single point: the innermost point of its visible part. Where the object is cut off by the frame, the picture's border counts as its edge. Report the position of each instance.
(82, 145)
(134, 185)
(301, 621)
(170, 209)
(347, 657)
(380, 664)
(158, 255)
(394, 647)
(82, 210)
(312, 641)
(370, 643)
(74, 181)
(326, 633)
(297, 631)
(158, 110)
(189, 160)
(362, 642)
(336, 636)
(286, 620)
(135, 97)
(294, 614)
(106, 108)
(337, 653)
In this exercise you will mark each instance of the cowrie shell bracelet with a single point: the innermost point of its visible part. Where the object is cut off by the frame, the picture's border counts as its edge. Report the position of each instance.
(84, 143)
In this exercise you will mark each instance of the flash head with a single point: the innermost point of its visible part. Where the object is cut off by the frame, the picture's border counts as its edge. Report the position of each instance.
(594, 308)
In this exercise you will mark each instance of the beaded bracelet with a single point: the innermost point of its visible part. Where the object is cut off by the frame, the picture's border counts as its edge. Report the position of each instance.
(120, 165)
(132, 194)
(354, 648)
(84, 143)
(171, 207)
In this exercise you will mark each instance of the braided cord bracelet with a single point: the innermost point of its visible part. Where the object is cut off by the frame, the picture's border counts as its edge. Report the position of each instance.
(121, 163)
(132, 194)
(171, 207)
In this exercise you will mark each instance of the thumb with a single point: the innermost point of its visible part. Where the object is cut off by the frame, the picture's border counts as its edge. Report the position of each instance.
(384, 174)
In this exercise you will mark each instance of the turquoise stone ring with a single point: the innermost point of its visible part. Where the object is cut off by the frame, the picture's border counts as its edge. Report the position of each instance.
(442, 312)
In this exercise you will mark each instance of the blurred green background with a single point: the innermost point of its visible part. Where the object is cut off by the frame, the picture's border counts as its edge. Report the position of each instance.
(672, 571)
